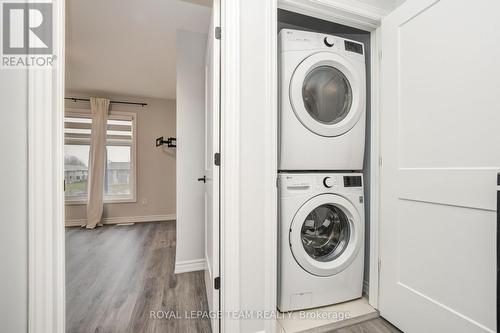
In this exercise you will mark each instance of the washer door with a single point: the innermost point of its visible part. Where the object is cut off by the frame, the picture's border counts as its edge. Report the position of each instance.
(327, 94)
(325, 235)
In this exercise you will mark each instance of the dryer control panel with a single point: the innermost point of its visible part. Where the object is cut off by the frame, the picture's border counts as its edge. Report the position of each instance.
(297, 40)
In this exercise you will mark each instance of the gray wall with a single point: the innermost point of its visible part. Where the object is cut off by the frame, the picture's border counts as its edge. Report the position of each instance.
(290, 20)
(14, 201)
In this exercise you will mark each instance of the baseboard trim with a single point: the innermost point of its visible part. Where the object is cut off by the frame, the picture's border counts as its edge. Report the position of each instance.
(190, 266)
(125, 219)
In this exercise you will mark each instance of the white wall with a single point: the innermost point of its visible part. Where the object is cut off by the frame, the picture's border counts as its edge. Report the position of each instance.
(13, 201)
(190, 145)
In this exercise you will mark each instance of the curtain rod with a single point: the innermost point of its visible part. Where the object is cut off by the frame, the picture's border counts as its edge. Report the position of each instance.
(74, 99)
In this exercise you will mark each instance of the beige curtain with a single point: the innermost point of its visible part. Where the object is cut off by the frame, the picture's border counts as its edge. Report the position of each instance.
(97, 161)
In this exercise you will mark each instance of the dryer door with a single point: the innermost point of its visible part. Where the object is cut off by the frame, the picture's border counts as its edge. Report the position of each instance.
(326, 234)
(327, 94)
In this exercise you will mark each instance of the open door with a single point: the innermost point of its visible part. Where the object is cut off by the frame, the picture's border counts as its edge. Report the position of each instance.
(440, 143)
(212, 162)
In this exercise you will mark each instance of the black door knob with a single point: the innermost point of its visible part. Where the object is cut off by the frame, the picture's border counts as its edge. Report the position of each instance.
(204, 179)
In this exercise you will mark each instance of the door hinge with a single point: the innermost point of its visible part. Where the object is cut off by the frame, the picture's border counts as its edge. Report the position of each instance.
(217, 283)
(217, 159)
(218, 33)
(380, 160)
(277, 182)
(380, 54)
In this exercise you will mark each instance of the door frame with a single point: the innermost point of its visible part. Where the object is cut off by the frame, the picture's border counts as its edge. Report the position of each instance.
(46, 221)
(46, 244)
(46, 267)
(229, 167)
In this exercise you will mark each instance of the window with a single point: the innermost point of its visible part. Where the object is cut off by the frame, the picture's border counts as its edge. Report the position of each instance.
(119, 179)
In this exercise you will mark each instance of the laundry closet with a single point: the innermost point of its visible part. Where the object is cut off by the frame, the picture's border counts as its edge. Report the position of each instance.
(372, 177)
(323, 163)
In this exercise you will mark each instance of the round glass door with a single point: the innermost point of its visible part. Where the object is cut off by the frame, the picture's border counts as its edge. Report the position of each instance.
(327, 93)
(326, 234)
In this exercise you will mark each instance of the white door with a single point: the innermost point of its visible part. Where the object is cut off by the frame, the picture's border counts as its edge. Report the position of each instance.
(212, 133)
(440, 143)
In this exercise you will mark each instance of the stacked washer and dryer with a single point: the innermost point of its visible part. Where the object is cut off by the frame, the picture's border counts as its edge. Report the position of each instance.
(321, 147)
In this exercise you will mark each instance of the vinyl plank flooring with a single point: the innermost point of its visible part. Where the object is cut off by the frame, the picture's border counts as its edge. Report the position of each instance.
(117, 275)
(378, 325)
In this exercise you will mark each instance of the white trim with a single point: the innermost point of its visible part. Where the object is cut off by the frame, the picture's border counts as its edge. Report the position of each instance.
(190, 266)
(125, 219)
(355, 14)
(374, 169)
(230, 164)
(271, 193)
(46, 296)
(106, 200)
(208, 268)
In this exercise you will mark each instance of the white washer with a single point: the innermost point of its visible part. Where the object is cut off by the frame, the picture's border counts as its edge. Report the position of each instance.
(322, 102)
(321, 239)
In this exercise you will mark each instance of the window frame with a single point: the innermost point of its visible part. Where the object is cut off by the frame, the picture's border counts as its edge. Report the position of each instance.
(113, 115)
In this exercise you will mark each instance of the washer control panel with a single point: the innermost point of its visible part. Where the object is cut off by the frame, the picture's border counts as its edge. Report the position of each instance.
(300, 183)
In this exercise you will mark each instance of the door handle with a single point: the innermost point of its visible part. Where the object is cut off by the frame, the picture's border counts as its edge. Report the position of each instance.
(204, 179)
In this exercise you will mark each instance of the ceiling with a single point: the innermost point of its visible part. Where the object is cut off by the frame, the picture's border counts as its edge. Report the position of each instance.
(128, 48)
(385, 5)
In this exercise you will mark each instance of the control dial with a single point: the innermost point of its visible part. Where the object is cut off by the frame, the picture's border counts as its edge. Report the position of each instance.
(328, 182)
(328, 41)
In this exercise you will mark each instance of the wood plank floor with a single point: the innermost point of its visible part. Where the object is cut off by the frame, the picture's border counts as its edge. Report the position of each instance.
(378, 325)
(117, 275)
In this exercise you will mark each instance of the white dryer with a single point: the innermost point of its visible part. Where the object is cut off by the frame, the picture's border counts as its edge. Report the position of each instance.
(322, 102)
(321, 239)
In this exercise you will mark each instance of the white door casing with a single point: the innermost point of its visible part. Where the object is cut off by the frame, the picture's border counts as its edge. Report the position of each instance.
(439, 142)
(212, 146)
